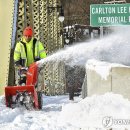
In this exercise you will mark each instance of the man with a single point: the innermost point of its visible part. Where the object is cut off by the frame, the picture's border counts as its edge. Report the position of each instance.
(27, 51)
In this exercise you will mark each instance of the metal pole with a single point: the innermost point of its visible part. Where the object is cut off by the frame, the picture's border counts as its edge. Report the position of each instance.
(101, 31)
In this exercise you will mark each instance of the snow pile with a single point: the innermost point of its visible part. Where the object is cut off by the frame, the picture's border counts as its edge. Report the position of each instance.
(90, 111)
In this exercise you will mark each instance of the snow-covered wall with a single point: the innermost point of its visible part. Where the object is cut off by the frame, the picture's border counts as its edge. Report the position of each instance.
(105, 77)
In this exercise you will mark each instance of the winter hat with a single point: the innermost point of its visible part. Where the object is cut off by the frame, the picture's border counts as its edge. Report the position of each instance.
(28, 31)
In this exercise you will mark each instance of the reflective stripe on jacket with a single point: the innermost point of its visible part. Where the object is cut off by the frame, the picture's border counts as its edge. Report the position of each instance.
(28, 58)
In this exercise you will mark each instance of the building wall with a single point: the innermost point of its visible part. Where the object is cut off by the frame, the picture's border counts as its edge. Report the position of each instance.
(6, 24)
(77, 11)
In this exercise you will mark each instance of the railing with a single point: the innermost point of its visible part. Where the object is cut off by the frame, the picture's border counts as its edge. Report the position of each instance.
(115, 2)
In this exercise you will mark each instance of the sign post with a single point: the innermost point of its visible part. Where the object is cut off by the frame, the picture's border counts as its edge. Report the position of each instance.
(109, 14)
(101, 31)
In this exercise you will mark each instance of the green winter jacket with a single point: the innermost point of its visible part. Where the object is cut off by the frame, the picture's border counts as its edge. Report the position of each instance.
(27, 53)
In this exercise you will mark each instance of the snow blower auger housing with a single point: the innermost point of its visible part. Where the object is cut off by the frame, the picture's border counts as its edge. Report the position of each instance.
(26, 95)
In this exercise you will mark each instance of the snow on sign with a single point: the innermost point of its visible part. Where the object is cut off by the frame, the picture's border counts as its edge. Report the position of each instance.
(109, 14)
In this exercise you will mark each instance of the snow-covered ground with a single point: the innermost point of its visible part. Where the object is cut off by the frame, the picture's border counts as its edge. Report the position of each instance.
(59, 113)
(46, 119)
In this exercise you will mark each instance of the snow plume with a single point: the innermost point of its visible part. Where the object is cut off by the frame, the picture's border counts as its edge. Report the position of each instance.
(112, 48)
(90, 112)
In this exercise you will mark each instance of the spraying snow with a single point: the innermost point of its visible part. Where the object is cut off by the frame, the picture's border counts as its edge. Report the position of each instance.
(113, 48)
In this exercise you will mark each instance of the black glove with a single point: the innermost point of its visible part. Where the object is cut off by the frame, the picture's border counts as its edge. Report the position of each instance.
(37, 59)
(20, 62)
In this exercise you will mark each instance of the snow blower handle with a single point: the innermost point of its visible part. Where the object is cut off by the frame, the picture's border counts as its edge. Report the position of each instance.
(23, 70)
(22, 74)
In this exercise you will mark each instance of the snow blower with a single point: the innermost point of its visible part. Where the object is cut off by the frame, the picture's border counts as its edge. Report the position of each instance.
(25, 94)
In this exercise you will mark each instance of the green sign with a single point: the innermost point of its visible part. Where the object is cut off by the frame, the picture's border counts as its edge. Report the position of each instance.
(109, 14)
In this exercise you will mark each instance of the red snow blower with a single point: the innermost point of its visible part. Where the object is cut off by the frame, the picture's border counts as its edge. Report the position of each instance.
(27, 96)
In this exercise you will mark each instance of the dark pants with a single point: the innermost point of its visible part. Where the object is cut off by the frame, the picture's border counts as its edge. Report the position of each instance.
(71, 93)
